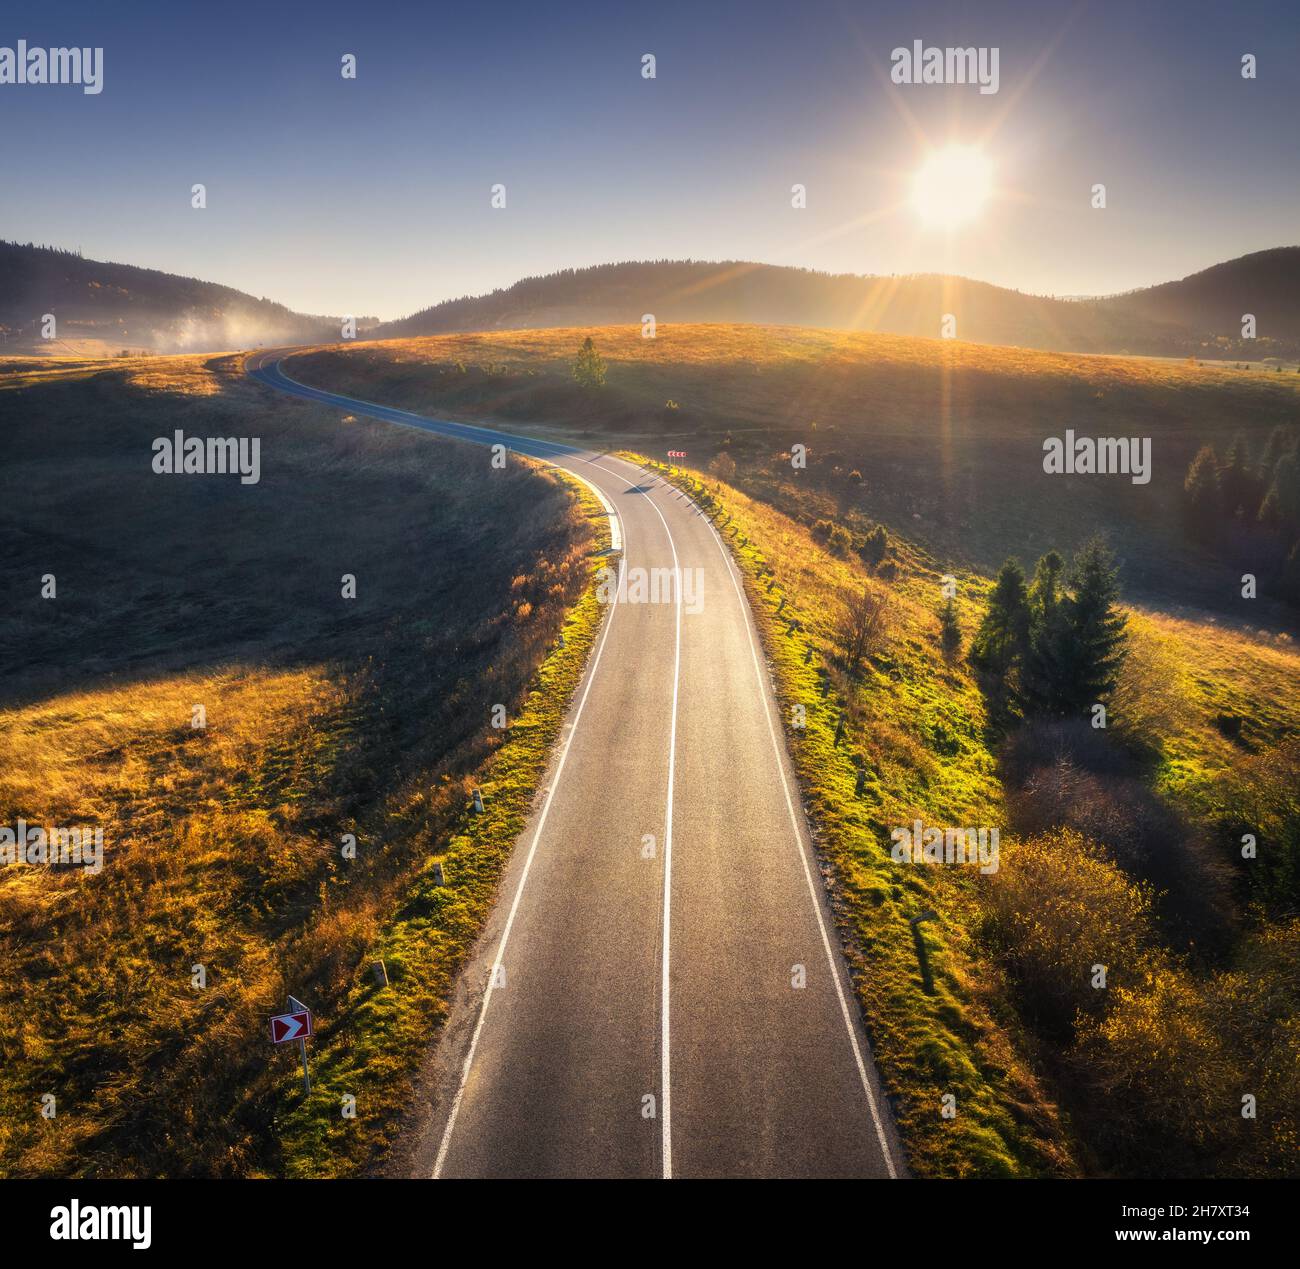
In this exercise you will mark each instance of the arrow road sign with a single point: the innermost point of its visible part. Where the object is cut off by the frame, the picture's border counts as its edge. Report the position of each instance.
(290, 1026)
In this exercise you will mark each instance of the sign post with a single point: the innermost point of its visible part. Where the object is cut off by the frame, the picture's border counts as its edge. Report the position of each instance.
(294, 1025)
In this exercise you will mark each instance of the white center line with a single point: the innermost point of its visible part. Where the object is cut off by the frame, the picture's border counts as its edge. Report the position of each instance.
(763, 689)
(665, 1048)
(665, 1072)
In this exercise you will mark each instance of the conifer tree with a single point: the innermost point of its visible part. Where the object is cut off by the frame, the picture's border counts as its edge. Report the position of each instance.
(1281, 506)
(1274, 448)
(1238, 484)
(1049, 635)
(1093, 650)
(589, 365)
(1202, 497)
(1001, 639)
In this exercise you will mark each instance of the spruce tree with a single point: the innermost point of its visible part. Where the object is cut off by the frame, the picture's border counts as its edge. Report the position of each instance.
(1238, 485)
(1093, 649)
(1202, 497)
(1281, 506)
(1048, 637)
(1001, 639)
(589, 365)
(1274, 448)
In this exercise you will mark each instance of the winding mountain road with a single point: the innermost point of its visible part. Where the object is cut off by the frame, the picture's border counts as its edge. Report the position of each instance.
(630, 1009)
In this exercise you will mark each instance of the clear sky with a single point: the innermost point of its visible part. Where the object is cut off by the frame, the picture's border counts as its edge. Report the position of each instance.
(372, 196)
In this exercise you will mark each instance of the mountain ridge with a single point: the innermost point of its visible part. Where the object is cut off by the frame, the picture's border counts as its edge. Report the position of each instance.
(129, 306)
(1201, 315)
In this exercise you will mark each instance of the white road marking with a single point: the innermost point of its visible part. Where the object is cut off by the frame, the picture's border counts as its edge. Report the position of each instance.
(665, 1071)
(803, 856)
(665, 1049)
(514, 907)
(617, 539)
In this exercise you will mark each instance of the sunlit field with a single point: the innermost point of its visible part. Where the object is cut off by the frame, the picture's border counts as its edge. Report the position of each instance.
(946, 436)
(322, 718)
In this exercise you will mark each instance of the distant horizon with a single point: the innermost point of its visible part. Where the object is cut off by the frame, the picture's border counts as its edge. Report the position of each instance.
(763, 134)
(606, 264)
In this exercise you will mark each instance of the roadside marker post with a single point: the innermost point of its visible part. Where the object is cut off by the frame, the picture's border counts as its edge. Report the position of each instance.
(294, 1025)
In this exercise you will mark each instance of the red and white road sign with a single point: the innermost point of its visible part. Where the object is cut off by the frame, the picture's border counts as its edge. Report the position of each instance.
(290, 1026)
(676, 453)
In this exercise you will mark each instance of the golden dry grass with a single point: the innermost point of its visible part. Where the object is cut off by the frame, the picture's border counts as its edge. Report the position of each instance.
(210, 852)
(947, 435)
(324, 717)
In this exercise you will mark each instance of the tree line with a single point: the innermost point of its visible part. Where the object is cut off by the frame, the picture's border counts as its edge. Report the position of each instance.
(1249, 506)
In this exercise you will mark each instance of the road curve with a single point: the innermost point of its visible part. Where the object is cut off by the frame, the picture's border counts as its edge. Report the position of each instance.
(630, 1009)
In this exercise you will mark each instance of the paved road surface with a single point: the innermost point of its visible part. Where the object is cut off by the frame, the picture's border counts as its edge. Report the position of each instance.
(632, 1016)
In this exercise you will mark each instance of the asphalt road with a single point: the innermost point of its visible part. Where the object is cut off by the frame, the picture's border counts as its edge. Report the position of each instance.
(630, 1009)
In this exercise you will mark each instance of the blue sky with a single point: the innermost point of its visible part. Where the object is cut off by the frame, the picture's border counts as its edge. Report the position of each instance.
(372, 196)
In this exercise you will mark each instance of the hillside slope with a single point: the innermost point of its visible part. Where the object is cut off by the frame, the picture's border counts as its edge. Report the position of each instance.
(946, 436)
(118, 306)
(1198, 316)
(323, 716)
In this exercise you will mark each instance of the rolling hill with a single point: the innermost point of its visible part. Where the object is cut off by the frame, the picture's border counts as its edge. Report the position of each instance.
(1197, 316)
(101, 307)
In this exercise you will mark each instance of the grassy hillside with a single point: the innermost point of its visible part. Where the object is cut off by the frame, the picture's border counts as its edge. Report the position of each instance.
(917, 728)
(1200, 315)
(325, 717)
(946, 436)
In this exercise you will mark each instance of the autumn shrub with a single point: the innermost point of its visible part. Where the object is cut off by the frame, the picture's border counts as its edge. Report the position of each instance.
(1069, 774)
(1190, 1076)
(1058, 908)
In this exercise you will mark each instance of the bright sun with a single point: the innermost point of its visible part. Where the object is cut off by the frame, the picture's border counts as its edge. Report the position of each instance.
(952, 185)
